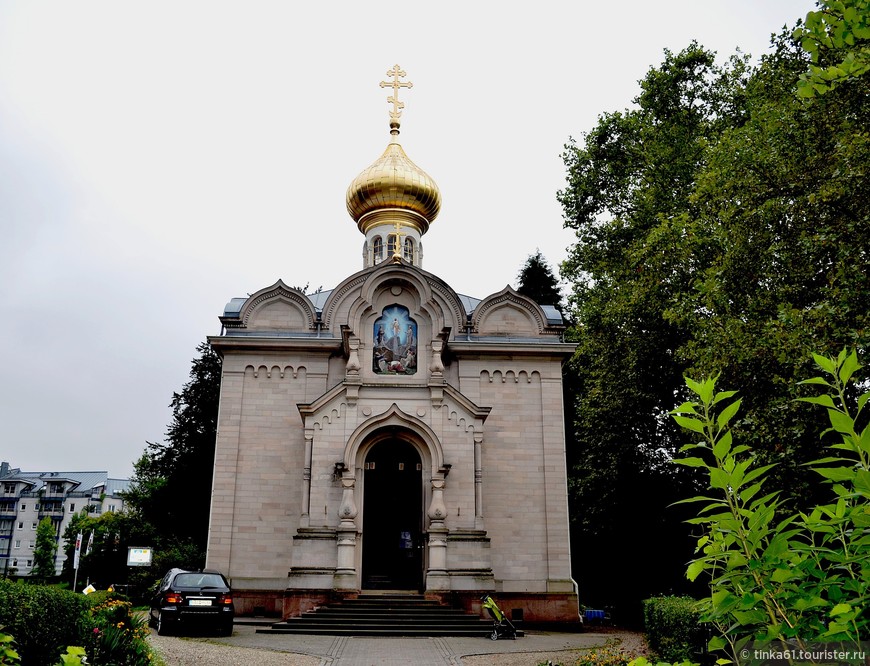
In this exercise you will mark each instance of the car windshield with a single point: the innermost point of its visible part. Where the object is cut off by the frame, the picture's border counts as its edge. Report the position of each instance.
(199, 580)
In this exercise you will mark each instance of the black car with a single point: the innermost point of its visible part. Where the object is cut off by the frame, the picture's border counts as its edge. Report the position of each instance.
(193, 598)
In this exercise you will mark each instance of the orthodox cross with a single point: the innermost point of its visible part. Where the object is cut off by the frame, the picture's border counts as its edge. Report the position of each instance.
(397, 248)
(395, 84)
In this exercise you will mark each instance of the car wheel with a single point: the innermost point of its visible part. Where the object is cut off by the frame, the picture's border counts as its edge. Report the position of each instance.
(162, 625)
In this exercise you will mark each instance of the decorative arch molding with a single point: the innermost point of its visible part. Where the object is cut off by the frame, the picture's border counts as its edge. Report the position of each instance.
(281, 371)
(434, 297)
(510, 376)
(339, 294)
(508, 298)
(282, 293)
(397, 420)
(330, 416)
(452, 301)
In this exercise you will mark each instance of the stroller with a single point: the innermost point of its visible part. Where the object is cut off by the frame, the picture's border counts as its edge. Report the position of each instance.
(501, 626)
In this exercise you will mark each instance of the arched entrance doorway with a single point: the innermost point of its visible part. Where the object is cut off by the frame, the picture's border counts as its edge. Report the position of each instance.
(392, 553)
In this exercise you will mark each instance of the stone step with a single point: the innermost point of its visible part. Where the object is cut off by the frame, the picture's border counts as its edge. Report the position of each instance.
(385, 615)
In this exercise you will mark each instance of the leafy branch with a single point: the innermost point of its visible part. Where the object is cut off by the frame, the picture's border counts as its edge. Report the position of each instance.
(798, 577)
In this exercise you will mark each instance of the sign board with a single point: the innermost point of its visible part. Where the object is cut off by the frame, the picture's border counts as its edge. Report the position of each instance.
(138, 557)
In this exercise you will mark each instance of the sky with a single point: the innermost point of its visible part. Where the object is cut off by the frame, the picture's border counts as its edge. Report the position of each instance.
(158, 159)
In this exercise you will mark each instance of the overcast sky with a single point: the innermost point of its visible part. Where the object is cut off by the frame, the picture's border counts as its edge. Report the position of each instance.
(160, 158)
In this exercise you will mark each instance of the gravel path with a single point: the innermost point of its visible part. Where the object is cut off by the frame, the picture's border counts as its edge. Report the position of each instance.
(246, 648)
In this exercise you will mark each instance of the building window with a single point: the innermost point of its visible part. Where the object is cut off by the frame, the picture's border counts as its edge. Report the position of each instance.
(32, 544)
(378, 249)
(391, 245)
(29, 563)
(409, 251)
(18, 543)
(111, 508)
(21, 525)
(37, 507)
(8, 487)
(72, 508)
(15, 563)
(24, 507)
(33, 526)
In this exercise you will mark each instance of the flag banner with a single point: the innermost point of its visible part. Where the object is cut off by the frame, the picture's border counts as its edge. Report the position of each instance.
(78, 551)
(90, 543)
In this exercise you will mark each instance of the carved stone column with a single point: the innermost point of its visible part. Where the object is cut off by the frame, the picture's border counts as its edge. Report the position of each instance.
(436, 574)
(345, 571)
(478, 481)
(305, 519)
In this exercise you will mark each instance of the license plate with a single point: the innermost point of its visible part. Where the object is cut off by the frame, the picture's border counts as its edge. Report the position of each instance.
(199, 602)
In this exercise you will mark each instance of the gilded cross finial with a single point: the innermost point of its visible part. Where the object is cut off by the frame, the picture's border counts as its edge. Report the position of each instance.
(397, 248)
(397, 73)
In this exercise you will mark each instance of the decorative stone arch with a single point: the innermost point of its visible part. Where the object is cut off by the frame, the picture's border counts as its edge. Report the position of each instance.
(517, 310)
(394, 423)
(435, 297)
(281, 293)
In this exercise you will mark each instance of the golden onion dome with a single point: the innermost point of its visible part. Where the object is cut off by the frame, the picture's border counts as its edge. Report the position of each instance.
(393, 187)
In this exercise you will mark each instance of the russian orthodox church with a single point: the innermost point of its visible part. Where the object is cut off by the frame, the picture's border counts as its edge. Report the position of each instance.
(391, 433)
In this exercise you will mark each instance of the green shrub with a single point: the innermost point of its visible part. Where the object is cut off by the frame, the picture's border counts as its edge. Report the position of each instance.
(672, 627)
(778, 575)
(43, 620)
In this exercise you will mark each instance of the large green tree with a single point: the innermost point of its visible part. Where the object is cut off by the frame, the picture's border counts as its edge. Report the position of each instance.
(172, 480)
(781, 231)
(721, 228)
(629, 182)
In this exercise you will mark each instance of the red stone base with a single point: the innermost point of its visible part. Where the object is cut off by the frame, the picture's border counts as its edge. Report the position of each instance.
(557, 610)
(532, 609)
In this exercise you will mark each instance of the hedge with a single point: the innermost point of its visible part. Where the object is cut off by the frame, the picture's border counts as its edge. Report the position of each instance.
(43, 620)
(673, 630)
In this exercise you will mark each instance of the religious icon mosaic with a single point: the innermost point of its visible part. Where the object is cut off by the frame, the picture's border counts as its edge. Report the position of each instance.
(395, 342)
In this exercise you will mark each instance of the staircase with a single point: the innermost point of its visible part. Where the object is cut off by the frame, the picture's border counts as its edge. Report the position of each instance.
(385, 615)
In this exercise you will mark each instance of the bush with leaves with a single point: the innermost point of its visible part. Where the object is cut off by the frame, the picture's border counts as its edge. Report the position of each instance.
(776, 575)
(672, 627)
(43, 620)
(115, 635)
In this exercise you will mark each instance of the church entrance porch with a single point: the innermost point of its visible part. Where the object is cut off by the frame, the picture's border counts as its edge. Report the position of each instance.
(392, 541)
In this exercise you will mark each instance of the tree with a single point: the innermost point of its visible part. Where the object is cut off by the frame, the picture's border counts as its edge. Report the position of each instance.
(44, 550)
(172, 480)
(780, 254)
(837, 38)
(537, 281)
(113, 533)
(721, 229)
(628, 196)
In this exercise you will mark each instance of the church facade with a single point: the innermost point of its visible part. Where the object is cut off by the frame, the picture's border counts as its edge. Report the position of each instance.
(390, 433)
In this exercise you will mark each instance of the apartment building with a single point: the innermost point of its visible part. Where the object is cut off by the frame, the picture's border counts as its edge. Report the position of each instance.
(28, 497)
